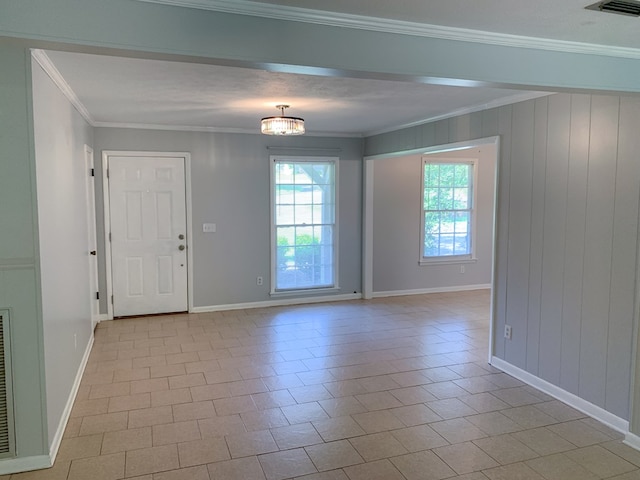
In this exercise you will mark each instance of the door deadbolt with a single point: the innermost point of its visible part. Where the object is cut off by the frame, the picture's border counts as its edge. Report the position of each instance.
(181, 237)
(93, 252)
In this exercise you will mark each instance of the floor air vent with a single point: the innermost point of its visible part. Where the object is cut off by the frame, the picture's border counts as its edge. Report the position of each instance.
(6, 396)
(621, 7)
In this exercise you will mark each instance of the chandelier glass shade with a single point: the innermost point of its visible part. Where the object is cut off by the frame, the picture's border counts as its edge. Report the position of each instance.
(282, 125)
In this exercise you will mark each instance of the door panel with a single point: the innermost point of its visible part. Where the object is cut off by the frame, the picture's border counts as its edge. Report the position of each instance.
(148, 214)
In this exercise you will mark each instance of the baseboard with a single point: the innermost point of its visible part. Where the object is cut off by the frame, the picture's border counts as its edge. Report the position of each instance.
(421, 291)
(57, 439)
(588, 408)
(24, 464)
(632, 440)
(278, 303)
(103, 317)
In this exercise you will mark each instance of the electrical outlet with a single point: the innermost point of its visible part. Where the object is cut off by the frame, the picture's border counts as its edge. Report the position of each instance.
(462, 269)
(507, 332)
(259, 281)
(209, 227)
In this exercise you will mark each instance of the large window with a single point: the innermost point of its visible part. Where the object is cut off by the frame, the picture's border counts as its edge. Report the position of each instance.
(447, 210)
(303, 223)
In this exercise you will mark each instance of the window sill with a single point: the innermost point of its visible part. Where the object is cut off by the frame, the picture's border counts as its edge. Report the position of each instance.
(304, 292)
(448, 261)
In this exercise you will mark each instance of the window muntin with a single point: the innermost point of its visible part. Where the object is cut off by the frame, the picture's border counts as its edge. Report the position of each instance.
(447, 210)
(304, 223)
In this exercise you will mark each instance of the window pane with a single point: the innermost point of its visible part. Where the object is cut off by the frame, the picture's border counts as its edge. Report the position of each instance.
(318, 194)
(431, 198)
(446, 198)
(284, 214)
(461, 198)
(303, 214)
(447, 175)
(462, 175)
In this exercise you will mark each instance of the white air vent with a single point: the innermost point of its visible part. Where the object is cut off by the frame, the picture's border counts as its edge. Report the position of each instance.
(621, 7)
(6, 395)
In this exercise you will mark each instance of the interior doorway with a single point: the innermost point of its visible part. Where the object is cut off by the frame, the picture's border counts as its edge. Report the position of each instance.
(394, 265)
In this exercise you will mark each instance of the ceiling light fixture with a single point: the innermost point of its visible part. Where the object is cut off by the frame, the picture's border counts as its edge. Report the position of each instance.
(282, 125)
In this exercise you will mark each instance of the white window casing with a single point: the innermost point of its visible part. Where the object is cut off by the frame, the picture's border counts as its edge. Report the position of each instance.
(304, 224)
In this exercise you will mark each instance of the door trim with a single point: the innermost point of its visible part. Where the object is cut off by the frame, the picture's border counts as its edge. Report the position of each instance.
(107, 219)
(92, 233)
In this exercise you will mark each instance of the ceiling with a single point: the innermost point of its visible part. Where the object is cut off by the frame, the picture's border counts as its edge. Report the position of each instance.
(115, 91)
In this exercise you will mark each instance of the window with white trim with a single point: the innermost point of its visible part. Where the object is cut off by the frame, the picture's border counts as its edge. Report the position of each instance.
(448, 215)
(304, 228)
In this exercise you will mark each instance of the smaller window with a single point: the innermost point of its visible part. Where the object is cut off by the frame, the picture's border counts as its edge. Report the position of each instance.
(448, 215)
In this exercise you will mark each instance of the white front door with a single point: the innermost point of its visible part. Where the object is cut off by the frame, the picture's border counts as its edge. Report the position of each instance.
(148, 234)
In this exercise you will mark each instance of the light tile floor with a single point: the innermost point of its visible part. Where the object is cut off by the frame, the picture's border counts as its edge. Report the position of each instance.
(394, 388)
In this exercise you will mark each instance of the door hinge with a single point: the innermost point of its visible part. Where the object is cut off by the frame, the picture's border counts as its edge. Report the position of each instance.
(93, 172)
(109, 236)
(107, 173)
(97, 295)
(111, 299)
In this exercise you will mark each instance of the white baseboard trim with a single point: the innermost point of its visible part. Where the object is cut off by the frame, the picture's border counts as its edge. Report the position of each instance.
(24, 464)
(420, 291)
(103, 317)
(57, 439)
(632, 440)
(278, 303)
(588, 408)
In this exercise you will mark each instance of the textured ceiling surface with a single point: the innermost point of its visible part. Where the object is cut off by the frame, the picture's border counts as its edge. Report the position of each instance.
(129, 91)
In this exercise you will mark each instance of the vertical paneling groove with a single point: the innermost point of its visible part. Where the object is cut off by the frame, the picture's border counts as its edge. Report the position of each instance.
(537, 231)
(623, 261)
(575, 241)
(442, 132)
(501, 293)
(555, 205)
(598, 248)
(522, 142)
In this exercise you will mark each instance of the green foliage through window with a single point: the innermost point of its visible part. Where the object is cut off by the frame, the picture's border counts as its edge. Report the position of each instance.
(447, 209)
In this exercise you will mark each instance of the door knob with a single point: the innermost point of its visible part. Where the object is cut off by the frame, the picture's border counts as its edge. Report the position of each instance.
(181, 247)
(181, 237)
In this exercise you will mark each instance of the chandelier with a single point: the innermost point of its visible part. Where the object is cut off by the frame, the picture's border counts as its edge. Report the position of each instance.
(282, 125)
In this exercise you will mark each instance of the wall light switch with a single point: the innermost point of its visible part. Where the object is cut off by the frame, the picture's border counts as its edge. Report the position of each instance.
(209, 227)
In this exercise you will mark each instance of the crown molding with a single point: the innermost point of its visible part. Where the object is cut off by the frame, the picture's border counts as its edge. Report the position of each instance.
(500, 102)
(280, 12)
(50, 69)
(193, 128)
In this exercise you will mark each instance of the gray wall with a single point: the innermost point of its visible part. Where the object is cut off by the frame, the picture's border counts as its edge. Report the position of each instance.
(568, 194)
(397, 194)
(60, 135)
(230, 187)
(19, 251)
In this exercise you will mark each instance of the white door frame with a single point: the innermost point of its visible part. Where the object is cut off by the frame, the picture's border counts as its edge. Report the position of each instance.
(107, 220)
(92, 237)
(367, 217)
